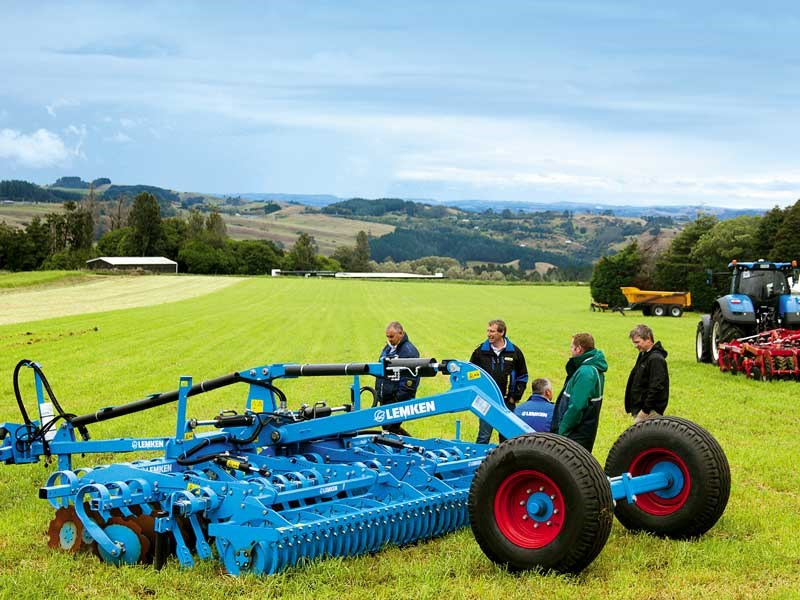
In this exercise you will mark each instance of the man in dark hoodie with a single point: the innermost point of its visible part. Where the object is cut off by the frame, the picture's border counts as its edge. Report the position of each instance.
(388, 391)
(647, 392)
(577, 412)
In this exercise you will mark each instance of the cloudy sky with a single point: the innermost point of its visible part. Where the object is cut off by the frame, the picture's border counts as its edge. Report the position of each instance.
(618, 102)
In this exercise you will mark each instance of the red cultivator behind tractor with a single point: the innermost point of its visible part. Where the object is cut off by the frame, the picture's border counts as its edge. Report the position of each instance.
(773, 354)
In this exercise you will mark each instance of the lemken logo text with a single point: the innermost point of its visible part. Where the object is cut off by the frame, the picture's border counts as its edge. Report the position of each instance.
(403, 412)
(147, 444)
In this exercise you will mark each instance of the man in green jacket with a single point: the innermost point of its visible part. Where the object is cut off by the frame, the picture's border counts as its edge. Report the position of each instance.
(577, 412)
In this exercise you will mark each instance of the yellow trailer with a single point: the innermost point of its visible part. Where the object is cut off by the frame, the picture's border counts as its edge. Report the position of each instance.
(658, 304)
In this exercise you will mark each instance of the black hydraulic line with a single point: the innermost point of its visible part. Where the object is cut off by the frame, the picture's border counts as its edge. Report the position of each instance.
(327, 369)
(112, 412)
(184, 459)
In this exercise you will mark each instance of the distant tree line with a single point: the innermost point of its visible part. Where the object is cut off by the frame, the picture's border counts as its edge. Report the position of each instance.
(461, 244)
(199, 243)
(698, 257)
(362, 207)
(22, 191)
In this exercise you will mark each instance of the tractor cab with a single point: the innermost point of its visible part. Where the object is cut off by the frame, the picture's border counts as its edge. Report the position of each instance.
(763, 282)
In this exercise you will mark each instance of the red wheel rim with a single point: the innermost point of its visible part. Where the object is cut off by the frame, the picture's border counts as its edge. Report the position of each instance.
(529, 509)
(661, 503)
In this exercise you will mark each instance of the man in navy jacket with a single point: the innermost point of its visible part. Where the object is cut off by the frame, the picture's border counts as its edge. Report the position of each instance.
(537, 411)
(387, 391)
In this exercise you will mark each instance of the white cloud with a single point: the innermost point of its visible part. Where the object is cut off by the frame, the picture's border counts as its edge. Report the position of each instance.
(53, 106)
(42, 148)
(120, 138)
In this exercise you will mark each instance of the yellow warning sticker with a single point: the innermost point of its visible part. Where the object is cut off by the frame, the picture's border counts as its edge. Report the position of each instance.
(473, 375)
(257, 406)
(192, 486)
(233, 464)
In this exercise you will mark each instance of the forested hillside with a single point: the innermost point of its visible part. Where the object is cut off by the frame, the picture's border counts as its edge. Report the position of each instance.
(401, 234)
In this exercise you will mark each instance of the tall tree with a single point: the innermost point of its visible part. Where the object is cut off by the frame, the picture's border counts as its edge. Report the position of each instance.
(145, 222)
(361, 254)
(303, 255)
(787, 237)
(768, 227)
(726, 240)
(675, 265)
(216, 232)
(612, 272)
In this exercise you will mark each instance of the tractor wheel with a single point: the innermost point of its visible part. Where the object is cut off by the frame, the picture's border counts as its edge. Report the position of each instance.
(721, 331)
(701, 477)
(659, 310)
(675, 311)
(703, 340)
(541, 501)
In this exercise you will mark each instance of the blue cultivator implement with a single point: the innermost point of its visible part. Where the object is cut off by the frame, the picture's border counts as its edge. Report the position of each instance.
(268, 487)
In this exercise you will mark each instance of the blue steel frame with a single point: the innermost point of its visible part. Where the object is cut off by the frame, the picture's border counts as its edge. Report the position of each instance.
(287, 487)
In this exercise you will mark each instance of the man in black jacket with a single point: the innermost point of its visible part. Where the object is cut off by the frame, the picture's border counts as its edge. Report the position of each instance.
(647, 392)
(506, 364)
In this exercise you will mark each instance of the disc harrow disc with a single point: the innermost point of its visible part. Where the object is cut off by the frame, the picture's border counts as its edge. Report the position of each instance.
(65, 530)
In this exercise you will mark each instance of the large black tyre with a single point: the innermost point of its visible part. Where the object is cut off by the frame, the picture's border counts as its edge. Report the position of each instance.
(721, 331)
(541, 501)
(659, 310)
(675, 311)
(703, 340)
(701, 476)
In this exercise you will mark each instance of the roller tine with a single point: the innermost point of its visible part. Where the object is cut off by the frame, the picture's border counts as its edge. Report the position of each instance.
(345, 539)
(330, 542)
(374, 535)
(272, 563)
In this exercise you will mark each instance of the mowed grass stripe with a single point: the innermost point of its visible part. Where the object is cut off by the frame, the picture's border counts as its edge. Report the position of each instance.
(98, 294)
(751, 553)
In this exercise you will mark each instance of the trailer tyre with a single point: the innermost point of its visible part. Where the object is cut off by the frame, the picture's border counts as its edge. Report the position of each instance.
(541, 501)
(675, 311)
(659, 310)
(701, 477)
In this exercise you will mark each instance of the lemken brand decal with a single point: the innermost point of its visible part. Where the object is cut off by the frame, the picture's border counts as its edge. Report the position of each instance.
(147, 444)
(403, 412)
(162, 468)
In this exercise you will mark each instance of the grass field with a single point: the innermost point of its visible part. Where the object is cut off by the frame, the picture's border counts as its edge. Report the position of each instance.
(100, 359)
(20, 214)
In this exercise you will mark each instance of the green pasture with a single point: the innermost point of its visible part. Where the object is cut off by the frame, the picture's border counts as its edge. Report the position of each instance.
(102, 359)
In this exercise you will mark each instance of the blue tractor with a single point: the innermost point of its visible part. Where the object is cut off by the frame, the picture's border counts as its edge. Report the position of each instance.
(760, 299)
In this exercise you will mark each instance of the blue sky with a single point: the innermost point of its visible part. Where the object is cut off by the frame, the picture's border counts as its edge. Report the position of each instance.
(640, 103)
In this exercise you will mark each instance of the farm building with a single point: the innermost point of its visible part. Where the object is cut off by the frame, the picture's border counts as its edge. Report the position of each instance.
(157, 264)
